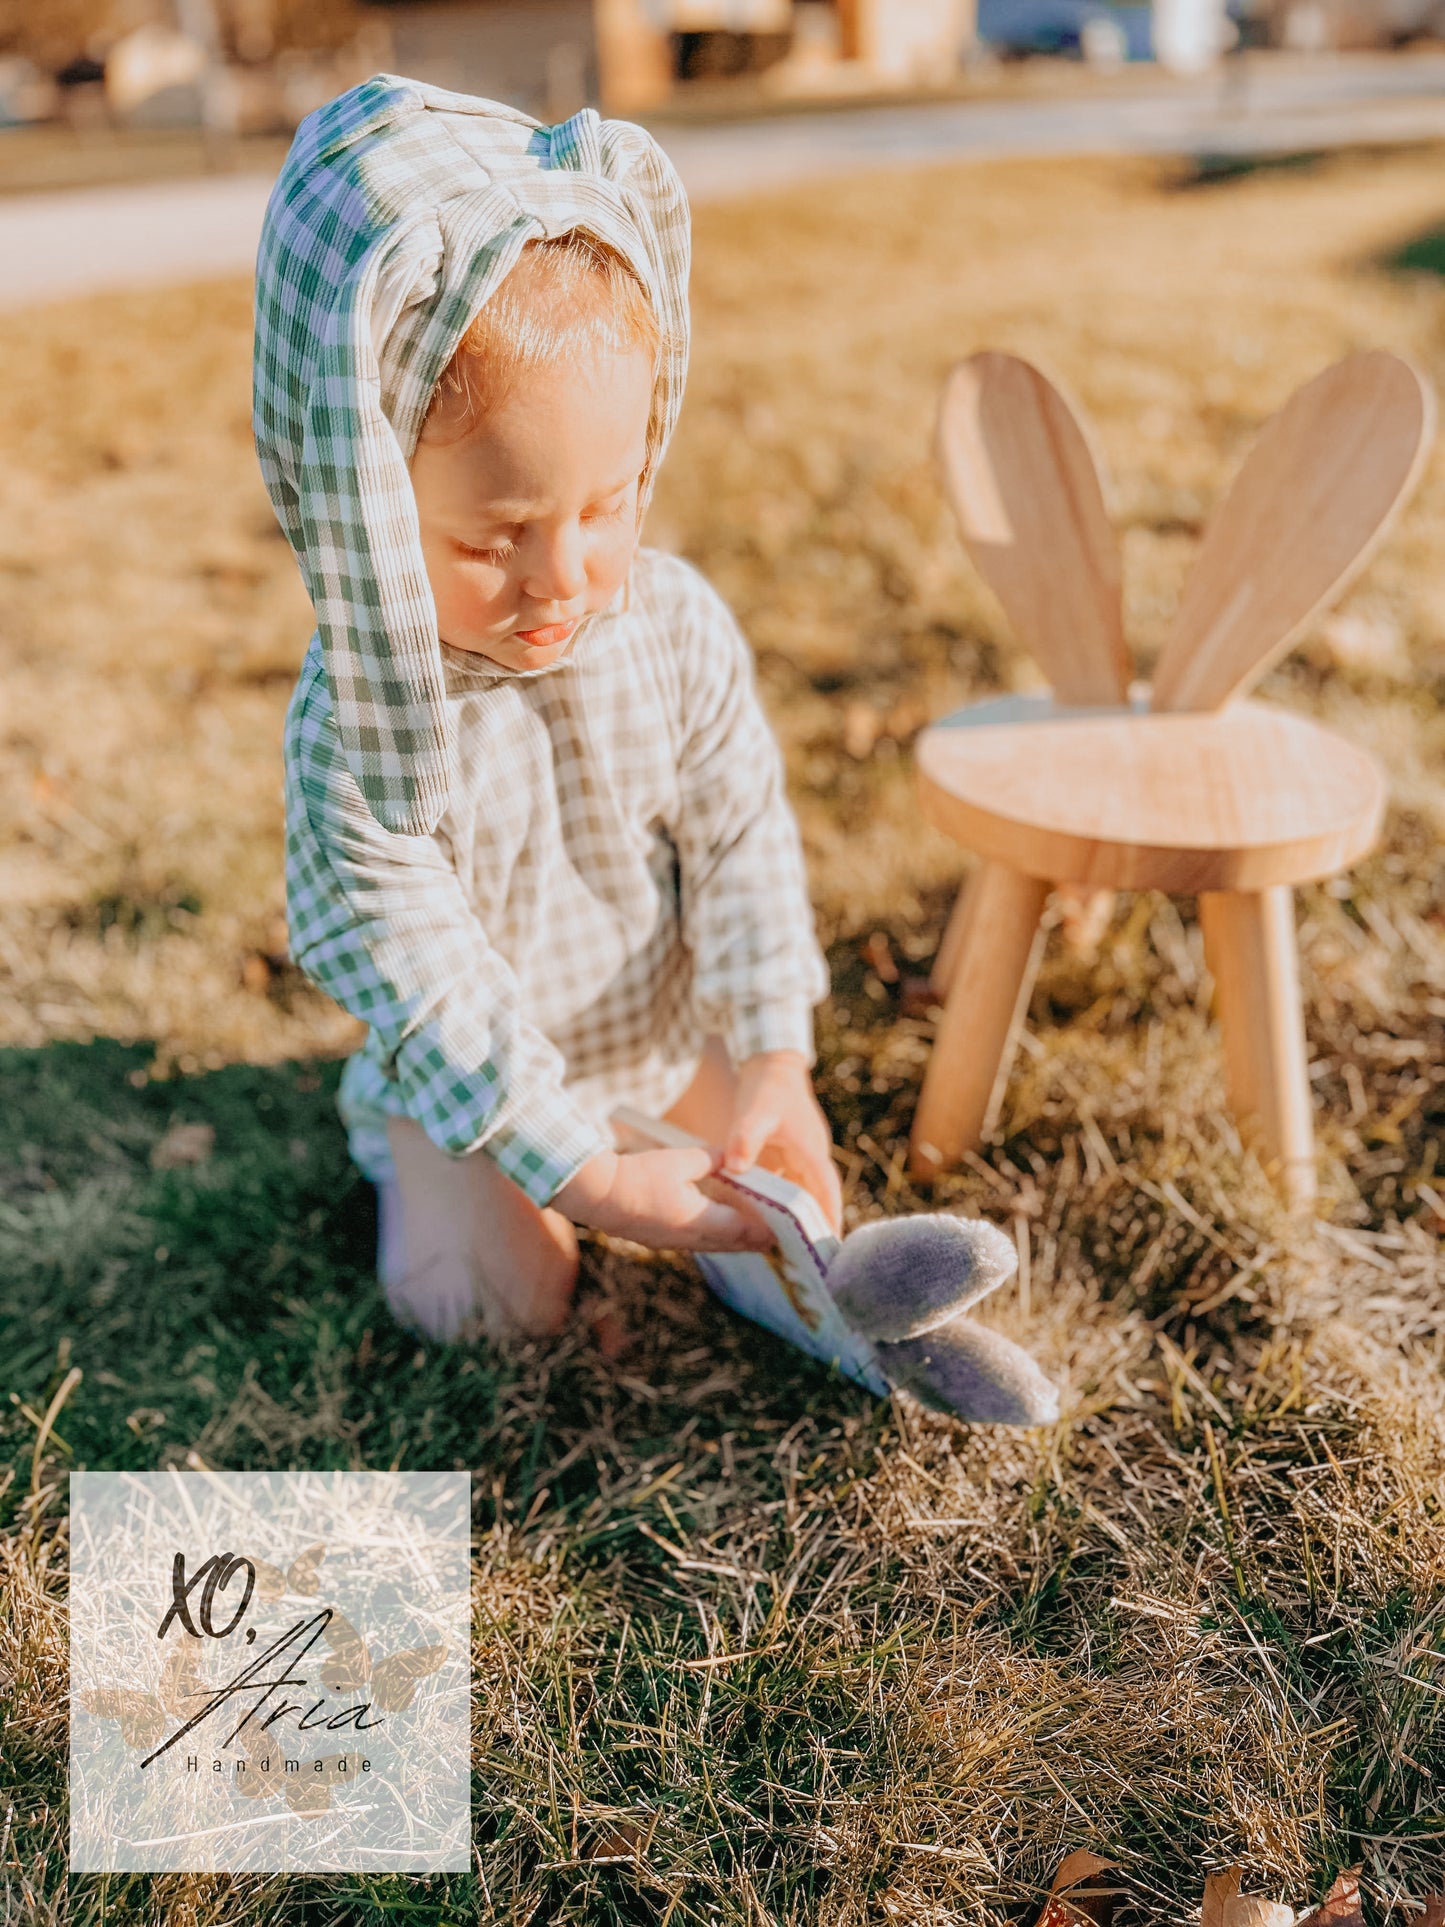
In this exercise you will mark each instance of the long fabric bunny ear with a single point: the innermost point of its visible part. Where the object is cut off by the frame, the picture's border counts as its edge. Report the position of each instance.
(399, 211)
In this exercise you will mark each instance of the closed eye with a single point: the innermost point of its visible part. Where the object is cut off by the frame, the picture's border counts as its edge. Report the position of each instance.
(502, 552)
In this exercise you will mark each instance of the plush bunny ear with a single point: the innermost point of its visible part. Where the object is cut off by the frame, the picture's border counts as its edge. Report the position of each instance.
(1315, 496)
(1029, 498)
(901, 1277)
(972, 1372)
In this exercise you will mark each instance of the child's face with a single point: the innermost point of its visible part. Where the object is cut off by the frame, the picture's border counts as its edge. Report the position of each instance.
(529, 523)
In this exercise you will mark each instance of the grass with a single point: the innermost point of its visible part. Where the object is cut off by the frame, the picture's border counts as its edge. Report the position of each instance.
(1202, 1618)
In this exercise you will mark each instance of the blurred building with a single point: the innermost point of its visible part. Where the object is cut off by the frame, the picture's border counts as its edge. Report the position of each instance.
(250, 66)
(549, 55)
(247, 63)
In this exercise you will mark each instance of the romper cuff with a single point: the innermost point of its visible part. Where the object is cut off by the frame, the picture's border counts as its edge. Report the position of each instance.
(784, 1025)
(545, 1147)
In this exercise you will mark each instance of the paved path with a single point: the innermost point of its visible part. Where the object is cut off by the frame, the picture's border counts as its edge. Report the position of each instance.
(58, 244)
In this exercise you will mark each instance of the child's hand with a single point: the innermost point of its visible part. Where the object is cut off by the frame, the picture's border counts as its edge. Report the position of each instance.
(654, 1198)
(777, 1122)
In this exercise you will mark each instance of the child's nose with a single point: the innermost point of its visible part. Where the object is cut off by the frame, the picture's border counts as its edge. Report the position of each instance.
(559, 572)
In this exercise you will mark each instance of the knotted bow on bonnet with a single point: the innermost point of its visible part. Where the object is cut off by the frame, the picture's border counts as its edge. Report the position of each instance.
(398, 212)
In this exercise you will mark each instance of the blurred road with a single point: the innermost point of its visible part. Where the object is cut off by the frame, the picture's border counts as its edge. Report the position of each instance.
(63, 243)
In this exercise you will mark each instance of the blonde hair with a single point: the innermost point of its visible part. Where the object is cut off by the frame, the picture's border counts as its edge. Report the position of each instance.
(568, 293)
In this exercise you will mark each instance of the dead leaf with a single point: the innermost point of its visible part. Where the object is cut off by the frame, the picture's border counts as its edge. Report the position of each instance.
(270, 1580)
(1434, 1914)
(1249, 1910)
(1219, 1890)
(183, 1144)
(265, 1763)
(1340, 1906)
(1079, 1893)
(307, 1796)
(311, 1792)
(615, 1840)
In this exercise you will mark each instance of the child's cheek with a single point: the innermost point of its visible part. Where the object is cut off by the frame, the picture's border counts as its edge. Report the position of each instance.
(476, 596)
(610, 562)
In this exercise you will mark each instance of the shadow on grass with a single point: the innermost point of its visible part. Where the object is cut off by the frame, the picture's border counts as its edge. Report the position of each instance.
(226, 1306)
(230, 1307)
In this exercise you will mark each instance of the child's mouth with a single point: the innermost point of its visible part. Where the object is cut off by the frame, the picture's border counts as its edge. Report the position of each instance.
(546, 638)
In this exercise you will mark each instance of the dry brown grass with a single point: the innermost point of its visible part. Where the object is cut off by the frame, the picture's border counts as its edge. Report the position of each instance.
(1202, 1617)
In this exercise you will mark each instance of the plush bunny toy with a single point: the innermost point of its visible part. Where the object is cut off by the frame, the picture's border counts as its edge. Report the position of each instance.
(888, 1304)
(907, 1284)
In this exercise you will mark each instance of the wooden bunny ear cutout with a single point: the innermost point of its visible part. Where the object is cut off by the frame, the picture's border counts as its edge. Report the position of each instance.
(1030, 504)
(1315, 496)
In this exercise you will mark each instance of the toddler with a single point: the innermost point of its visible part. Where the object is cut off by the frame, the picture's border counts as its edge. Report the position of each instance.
(537, 836)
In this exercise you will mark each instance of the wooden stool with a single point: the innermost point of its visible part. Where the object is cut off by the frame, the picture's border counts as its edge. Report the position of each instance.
(1198, 792)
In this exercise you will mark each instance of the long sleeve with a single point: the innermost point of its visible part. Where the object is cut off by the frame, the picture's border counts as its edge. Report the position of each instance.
(746, 913)
(379, 921)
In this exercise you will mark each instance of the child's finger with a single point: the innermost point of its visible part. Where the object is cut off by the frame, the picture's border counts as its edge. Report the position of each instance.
(689, 1165)
(722, 1227)
(821, 1178)
(724, 1193)
(749, 1134)
(814, 1169)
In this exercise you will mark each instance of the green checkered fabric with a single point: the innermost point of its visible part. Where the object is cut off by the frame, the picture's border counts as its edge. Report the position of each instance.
(617, 875)
(399, 209)
(540, 891)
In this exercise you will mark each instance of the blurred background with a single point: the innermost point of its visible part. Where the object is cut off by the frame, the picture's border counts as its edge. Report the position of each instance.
(245, 68)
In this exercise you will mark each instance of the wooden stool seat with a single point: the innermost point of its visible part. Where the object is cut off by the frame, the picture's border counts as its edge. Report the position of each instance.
(1127, 799)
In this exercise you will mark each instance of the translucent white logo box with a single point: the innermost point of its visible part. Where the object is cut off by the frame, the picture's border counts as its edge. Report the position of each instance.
(270, 1672)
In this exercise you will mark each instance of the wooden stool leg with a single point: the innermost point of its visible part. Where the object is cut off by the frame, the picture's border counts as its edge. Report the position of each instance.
(1249, 943)
(950, 949)
(995, 958)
